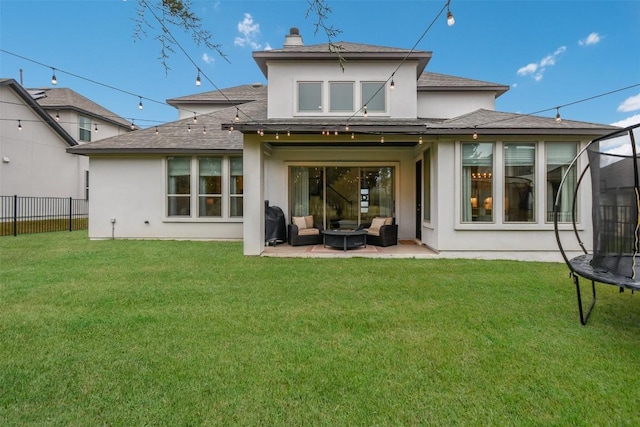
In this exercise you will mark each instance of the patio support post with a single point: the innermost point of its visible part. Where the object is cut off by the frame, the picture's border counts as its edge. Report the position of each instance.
(253, 210)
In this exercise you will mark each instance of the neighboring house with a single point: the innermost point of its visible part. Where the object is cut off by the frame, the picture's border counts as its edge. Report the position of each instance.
(38, 125)
(381, 137)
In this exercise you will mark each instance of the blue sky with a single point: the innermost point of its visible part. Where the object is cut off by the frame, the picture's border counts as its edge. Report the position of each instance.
(550, 53)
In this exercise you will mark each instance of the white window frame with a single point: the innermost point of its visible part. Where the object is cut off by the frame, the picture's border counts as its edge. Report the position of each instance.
(383, 91)
(84, 128)
(299, 92)
(331, 96)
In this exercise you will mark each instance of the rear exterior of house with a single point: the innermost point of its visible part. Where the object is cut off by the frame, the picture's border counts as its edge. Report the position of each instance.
(379, 137)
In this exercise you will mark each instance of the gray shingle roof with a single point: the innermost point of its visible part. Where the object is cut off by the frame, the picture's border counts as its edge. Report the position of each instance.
(231, 96)
(64, 98)
(443, 82)
(174, 137)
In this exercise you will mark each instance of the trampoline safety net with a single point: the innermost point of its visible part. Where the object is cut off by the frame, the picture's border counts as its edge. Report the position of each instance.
(614, 164)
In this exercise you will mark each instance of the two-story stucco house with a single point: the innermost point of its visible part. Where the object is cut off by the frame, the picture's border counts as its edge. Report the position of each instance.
(38, 125)
(377, 136)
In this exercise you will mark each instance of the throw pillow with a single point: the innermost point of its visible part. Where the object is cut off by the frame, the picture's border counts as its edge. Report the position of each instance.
(300, 222)
(309, 220)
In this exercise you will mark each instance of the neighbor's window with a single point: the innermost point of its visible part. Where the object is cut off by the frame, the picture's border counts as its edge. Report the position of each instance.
(179, 186)
(519, 182)
(310, 97)
(210, 187)
(374, 96)
(559, 156)
(84, 126)
(236, 187)
(341, 96)
(477, 182)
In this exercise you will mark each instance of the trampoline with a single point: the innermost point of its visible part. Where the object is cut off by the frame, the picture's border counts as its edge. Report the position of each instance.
(614, 164)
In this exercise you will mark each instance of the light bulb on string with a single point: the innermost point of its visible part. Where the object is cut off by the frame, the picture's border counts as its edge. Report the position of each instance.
(188, 128)
(420, 140)
(54, 79)
(475, 134)
(96, 128)
(558, 118)
(156, 130)
(204, 129)
(195, 119)
(382, 140)
(198, 82)
(277, 136)
(57, 115)
(365, 111)
(133, 125)
(288, 133)
(237, 118)
(140, 107)
(19, 125)
(450, 19)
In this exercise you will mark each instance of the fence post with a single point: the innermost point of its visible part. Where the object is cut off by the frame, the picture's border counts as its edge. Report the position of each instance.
(15, 215)
(70, 213)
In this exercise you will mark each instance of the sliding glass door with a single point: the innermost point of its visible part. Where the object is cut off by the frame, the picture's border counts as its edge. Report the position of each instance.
(342, 196)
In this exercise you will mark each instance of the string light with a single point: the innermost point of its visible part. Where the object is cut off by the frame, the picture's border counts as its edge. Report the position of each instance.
(96, 128)
(237, 118)
(188, 128)
(195, 119)
(558, 118)
(277, 136)
(475, 134)
(198, 82)
(204, 129)
(420, 140)
(133, 126)
(352, 135)
(450, 19)
(392, 85)
(288, 133)
(382, 140)
(57, 115)
(156, 130)
(140, 107)
(346, 127)
(19, 125)
(54, 79)
(365, 111)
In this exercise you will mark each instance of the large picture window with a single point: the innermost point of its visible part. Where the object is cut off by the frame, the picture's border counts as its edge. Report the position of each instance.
(342, 196)
(210, 186)
(519, 182)
(310, 97)
(205, 187)
(477, 182)
(559, 156)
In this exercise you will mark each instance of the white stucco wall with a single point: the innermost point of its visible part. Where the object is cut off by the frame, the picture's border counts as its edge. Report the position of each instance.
(283, 78)
(131, 190)
(449, 104)
(34, 161)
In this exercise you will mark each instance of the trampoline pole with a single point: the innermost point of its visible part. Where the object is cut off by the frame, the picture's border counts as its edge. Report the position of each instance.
(584, 317)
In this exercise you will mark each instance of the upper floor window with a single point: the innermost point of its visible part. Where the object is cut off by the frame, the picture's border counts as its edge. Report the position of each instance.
(84, 126)
(374, 97)
(341, 97)
(310, 97)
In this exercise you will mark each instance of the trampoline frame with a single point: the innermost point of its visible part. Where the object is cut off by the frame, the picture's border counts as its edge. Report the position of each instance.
(581, 266)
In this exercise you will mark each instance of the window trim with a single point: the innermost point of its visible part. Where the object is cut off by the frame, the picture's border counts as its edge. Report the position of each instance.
(84, 124)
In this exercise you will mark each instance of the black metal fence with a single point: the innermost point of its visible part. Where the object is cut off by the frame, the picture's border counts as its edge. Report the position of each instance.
(23, 215)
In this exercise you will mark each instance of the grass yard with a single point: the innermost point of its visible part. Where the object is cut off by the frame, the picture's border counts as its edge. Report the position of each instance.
(175, 333)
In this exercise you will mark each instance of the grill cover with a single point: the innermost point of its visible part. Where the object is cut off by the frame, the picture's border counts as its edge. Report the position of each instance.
(275, 230)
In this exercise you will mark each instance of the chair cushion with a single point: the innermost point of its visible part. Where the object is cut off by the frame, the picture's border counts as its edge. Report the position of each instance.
(300, 222)
(372, 232)
(388, 220)
(308, 232)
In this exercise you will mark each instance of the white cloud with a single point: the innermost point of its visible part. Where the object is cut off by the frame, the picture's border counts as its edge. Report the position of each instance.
(208, 58)
(249, 32)
(629, 121)
(591, 39)
(537, 69)
(528, 69)
(630, 104)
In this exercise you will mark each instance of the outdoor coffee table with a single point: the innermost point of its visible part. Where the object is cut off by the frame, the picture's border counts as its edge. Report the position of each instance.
(345, 239)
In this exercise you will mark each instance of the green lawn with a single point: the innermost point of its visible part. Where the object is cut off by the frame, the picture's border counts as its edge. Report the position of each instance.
(173, 333)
